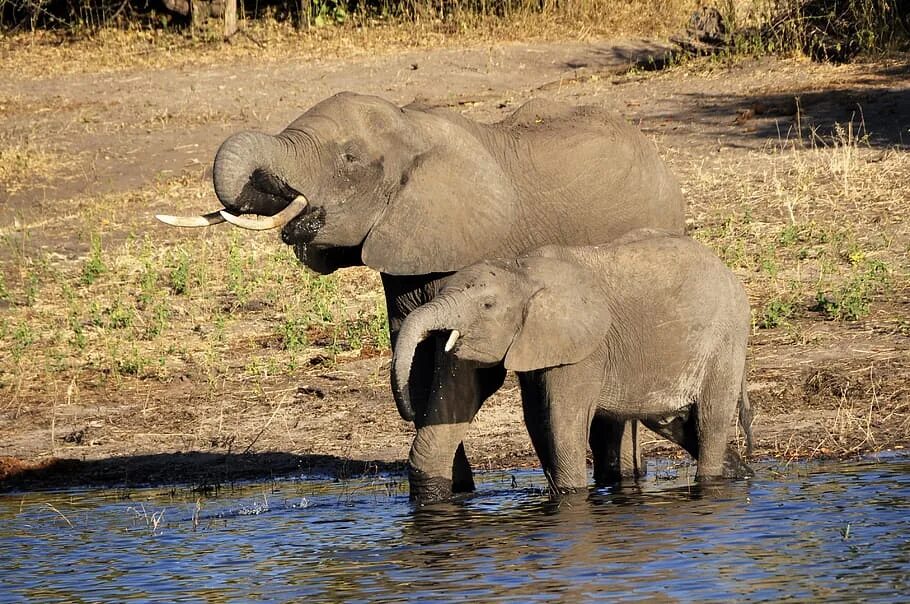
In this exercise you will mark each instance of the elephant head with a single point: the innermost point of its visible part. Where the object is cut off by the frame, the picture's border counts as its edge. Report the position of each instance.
(356, 179)
(531, 313)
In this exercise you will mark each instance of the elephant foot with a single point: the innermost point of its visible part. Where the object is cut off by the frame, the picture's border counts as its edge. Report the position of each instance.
(735, 467)
(615, 450)
(565, 494)
(604, 476)
(426, 489)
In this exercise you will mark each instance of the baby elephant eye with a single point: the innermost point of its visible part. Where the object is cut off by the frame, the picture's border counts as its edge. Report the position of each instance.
(489, 304)
(349, 158)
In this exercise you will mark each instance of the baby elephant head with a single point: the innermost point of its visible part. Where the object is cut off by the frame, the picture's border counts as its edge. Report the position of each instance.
(530, 313)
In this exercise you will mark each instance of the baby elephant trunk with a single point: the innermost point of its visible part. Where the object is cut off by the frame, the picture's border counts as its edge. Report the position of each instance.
(416, 328)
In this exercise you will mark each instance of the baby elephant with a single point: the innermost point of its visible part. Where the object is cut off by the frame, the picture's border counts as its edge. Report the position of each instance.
(652, 327)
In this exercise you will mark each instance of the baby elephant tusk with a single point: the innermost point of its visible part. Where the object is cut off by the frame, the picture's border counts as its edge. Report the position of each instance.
(453, 337)
(264, 223)
(192, 221)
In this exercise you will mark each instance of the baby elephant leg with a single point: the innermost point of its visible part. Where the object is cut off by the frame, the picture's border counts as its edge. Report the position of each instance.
(437, 464)
(559, 434)
(615, 449)
(715, 414)
(682, 429)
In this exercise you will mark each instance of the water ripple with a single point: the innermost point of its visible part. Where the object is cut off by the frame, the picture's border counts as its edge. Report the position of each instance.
(802, 532)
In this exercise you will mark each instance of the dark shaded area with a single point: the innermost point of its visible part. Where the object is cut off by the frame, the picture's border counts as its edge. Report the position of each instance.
(839, 30)
(834, 31)
(619, 58)
(203, 471)
(871, 113)
(92, 14)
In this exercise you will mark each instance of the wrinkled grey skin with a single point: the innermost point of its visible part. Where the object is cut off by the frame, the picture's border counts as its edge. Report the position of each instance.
(417, 193)
(653, 328)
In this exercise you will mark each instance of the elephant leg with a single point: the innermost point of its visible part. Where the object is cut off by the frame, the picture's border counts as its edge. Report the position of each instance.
(715, 413)
(438, 466)
(559, 433)
(488, 381)
(615, 449)
(681, 429)
(533, 404)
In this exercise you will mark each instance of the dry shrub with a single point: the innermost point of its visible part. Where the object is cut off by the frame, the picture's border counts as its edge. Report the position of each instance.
(825, 30)
(629, 15)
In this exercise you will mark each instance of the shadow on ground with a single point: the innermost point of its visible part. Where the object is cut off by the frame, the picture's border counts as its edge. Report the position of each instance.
(201, 470)
(871, 111)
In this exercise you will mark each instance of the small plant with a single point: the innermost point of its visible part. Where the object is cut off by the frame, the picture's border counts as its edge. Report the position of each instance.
(94, 266)
(180, 273)
(161, 314)
(4, 293)
(293, 334)
(379, 326)
(132, 364)
(774, 313)
(120, 316)
(78, 340)
(238, 267)
(323, 12)
(323, 293)
(152, 522)
(22, 339)
(789, 235)
(768, 264)
(852, 300)
(148, 283)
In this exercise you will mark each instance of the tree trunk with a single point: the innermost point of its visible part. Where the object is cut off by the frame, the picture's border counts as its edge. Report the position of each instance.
(230, 18)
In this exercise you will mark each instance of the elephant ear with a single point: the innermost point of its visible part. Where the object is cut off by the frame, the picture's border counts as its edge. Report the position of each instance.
(565, 321)
(454, 208)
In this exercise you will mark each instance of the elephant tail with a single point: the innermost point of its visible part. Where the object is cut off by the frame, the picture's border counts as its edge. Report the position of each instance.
(745, 414)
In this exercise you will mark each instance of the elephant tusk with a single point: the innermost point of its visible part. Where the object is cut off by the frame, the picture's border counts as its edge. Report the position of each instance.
(453, 337)
(192, 221)
(265, 223)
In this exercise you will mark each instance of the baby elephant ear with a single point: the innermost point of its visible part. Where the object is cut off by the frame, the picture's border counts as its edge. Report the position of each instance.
(454, 208)
(564, 322)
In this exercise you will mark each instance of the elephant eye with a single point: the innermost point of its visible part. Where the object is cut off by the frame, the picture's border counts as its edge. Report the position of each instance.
(489, 304)
(349, 157)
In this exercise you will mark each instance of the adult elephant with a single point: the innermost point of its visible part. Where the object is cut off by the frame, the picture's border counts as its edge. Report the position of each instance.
(418, 193)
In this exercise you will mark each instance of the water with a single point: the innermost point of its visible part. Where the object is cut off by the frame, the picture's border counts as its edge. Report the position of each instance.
(817, 532)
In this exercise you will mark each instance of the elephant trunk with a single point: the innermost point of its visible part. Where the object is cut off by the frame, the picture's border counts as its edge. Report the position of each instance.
(253, 158)
(251, 176)
(433, 316)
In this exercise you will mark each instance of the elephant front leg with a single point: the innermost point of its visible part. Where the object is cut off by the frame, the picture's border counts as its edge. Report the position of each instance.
(432, 463)
(558, 421)
(615, 450)
(437, 464)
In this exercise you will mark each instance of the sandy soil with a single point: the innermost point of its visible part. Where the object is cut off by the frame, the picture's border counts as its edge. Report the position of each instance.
(819, 387)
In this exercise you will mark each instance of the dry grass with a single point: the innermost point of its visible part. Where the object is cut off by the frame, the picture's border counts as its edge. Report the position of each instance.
(129, 306)
(811, 223)
(44, 53)
(27, 165)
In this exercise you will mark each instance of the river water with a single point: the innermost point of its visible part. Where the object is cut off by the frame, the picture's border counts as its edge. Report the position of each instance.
(807, 532)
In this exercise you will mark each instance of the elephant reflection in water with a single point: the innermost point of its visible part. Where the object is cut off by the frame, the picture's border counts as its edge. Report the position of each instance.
(610, 542)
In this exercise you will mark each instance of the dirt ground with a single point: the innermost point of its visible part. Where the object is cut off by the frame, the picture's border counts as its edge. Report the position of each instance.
(756, 145)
